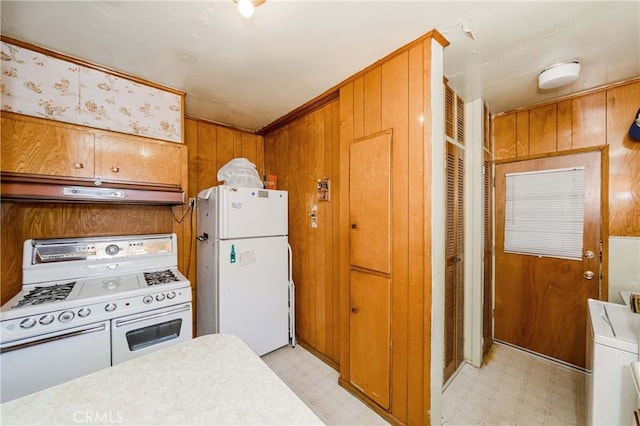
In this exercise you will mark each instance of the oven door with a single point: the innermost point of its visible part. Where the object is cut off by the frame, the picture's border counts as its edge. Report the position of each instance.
(30, 365)
(140, 334)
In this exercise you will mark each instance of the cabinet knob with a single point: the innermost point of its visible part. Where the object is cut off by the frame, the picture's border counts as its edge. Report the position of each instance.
(354, 226)
(78, 166)
(354, 310)
(115, 169)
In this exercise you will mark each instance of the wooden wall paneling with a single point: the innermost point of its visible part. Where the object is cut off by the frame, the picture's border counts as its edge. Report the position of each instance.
(317, 270)
(237, 144)
(624, 161)
(542, 129)
(249, 149)
(522, 133)
(225, 147)
(358, 108)
(564, 125)
(336, 188)
(207, 157)
(372, 101)
(416, 259)
(589, 120)
(22, 221)
(347, 129)
(326, 237)
(395, 115)
(504, 136)
(260, 155)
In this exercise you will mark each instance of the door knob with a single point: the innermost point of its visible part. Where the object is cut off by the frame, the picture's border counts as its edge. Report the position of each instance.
(354, 310)
(354, 226)
(588, 275)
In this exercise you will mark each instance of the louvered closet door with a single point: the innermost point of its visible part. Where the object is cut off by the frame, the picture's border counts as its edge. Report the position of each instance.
(487, 219)
(454, 276)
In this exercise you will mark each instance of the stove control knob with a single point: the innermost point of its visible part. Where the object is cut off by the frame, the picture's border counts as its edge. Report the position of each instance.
(160, 297)
(112, 249)
(46, 319)
(171, 295)
(84, 312)
(27, 323)
(66, 316)
(110, 307)
(147, 299)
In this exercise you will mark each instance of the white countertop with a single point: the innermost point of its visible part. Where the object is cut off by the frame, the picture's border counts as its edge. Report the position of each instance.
(213, 379)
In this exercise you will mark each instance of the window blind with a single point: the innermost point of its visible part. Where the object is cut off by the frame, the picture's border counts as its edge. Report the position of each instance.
(544, 213)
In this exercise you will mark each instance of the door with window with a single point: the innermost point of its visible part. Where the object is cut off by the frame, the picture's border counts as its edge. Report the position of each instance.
(548, 267)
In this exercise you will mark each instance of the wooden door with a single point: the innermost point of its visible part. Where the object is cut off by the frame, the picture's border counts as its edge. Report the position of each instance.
(131, 159)
(370, 202)
(35, 146)
(541, 302)
(454, 274)
(369, 331)
(370, 263)
(487, 261)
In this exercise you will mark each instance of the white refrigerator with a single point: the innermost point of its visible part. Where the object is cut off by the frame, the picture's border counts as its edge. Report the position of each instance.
(244, 285)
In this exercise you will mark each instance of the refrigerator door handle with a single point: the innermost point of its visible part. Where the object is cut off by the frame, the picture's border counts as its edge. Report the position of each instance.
(292, 300)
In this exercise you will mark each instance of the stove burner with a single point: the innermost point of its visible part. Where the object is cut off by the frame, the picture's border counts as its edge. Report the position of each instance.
(39, 295)
(160, 277)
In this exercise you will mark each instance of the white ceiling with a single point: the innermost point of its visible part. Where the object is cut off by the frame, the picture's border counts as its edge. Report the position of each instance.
(249, 72)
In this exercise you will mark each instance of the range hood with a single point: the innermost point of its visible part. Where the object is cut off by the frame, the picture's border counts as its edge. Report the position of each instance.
(69, 193)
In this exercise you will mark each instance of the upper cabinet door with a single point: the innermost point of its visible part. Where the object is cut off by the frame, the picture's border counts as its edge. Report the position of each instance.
(370, 202)
(131, 159)
(30, 147)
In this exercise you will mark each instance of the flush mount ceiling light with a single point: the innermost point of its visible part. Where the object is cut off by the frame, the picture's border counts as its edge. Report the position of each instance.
(559, 75)
(245, 7)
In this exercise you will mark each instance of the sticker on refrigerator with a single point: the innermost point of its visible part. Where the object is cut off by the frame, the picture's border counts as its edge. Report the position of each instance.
(236, 205)
(232, 256)
(247, 258)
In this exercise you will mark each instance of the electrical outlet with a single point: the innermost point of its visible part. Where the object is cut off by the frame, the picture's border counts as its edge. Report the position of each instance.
(192, 202)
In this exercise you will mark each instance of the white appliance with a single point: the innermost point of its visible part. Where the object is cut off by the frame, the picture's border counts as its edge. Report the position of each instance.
(612, 346)
(89, 303)
(243, 278)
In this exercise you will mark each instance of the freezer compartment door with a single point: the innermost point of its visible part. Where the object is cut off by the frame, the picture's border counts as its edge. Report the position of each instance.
(253, 292)
(250, 212)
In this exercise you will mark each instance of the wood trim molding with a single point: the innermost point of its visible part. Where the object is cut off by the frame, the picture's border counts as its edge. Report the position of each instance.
(571, 96)
(216, 123)
(88, 64)
(369, 403)
(304, 109)
(602, 148)
(319, 355)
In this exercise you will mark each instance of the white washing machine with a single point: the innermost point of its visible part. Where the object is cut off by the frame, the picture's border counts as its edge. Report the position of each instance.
(612, 345)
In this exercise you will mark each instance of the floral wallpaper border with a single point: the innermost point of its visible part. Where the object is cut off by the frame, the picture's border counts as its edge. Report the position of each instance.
(43, 86)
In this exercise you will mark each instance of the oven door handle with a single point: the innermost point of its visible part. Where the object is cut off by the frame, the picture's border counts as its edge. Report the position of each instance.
(94, 329)
(121, 323)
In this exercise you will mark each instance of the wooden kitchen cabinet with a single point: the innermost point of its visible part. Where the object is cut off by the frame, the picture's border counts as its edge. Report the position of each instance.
(49, 149)
(369, 331)
(132, 159)
(35, 147)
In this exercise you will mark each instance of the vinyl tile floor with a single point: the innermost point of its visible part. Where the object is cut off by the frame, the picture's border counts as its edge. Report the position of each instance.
(514, 387)
(317, 385)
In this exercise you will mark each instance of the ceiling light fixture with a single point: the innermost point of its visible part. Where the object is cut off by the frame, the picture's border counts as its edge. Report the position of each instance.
(559, 75)
(246, 7)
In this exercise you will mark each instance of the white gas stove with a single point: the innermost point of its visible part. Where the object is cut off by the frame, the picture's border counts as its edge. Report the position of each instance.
(99, 300)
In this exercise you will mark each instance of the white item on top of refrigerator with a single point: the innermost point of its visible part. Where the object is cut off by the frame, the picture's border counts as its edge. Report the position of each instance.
(240, 172)
(243, 281)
